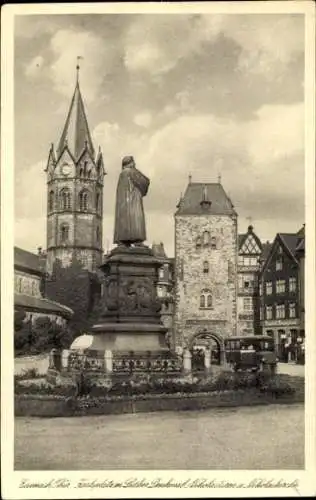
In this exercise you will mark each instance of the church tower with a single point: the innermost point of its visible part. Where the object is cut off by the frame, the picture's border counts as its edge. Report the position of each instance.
(75, 193)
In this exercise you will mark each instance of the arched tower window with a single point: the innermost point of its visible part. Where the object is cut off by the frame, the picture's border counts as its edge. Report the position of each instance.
(65, 199)
(206, 299)
(83, 200)
(198, 242)
(85, 167)
(206, 267)
(64, 233)
(97, 202)
(51, 201)
(206, 238)
(81, 172)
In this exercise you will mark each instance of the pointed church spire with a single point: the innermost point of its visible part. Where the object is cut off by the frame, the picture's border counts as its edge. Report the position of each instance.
(76, 134)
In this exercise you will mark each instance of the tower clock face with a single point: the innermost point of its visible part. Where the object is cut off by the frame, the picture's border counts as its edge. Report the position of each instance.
(66, 169)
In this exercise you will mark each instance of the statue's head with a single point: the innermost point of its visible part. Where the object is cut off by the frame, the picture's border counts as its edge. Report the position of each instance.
(128, 161)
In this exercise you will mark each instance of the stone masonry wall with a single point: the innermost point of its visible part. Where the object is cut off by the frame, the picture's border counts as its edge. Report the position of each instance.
(190, 280)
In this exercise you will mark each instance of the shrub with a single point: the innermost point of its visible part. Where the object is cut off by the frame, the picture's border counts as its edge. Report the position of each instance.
(28, 374)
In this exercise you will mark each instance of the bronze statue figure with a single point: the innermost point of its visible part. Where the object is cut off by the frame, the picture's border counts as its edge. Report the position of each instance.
(132, 185)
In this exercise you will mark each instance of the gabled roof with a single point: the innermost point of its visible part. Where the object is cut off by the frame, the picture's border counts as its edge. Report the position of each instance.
(76, 133)
(243, 237)
(29, 302)
(265, 250)
(27, 260)
(290, 241)
(205, 198)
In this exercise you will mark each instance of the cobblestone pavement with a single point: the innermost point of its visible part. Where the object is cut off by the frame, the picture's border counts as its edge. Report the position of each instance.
(267, 437)
(291, 369)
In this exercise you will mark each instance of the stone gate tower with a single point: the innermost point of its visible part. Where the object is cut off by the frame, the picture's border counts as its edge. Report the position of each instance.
(205, 264)
(75, 193)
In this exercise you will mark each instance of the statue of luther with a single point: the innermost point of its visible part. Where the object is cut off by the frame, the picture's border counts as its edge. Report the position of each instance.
(129, 212)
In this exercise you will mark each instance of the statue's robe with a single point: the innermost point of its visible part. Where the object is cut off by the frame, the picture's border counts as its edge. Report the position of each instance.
(129, 212)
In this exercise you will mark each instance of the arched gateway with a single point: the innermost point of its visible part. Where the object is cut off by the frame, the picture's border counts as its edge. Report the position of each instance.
(206, 340)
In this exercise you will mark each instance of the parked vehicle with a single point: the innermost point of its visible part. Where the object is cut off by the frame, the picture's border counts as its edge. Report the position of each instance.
(251, 353)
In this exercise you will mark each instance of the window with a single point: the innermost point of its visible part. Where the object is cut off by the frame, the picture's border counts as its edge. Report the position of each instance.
(85, 166)
(268, 312)
(280, 250)
(292, 310)
(248, 304)
(205, 299)
(260, 288)
(20, 285)
(261, 313)
(98, 234)
(280, 286)
(198, 242)
(279, 264)
(83, 200)
(33, 288)
(206, 238)
(161, 273)
(51, 201)
(81, 172)
(250, 261)
(205, 267)
(292, 284)
(269, 288)
(65, 198)
(64, 233)
(280, 311)
(97, 203)
(213, 242)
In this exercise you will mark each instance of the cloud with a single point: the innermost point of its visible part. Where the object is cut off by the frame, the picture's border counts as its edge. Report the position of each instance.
(66, 45)
(267, 43)
(34, 67)
(143, 119)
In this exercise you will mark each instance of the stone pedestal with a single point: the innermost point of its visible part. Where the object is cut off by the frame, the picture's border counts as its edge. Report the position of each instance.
(129, 317)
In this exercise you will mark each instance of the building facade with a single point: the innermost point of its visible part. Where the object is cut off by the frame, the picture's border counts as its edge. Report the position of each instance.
(75, 176)
(29, 276)
(249, 261)
(205, 267)
(279, 295)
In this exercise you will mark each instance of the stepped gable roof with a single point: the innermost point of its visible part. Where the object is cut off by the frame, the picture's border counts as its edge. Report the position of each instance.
(41, 305)
(205, 198)
(27, 260)
(76, 134)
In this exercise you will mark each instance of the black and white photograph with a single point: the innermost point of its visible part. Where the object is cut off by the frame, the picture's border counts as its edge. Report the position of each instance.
(160, 298)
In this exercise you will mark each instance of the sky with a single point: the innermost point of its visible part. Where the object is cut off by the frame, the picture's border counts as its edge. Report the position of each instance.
(205, 95)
